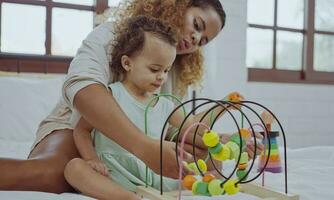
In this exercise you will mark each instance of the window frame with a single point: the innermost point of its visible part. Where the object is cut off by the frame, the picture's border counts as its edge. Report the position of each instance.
(47, 63)
(307, 74)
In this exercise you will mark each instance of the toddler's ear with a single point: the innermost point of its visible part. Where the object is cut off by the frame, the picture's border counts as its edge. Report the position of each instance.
(125, 60)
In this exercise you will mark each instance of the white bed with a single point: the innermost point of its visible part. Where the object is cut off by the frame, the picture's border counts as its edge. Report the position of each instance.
(24, 101)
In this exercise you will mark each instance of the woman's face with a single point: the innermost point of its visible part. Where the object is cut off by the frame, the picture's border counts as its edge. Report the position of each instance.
(201, 25)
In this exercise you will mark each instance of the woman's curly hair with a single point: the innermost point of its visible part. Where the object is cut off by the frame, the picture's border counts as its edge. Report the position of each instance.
(189, 67)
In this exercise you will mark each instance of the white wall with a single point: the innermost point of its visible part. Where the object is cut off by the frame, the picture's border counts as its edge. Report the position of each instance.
(306, 111)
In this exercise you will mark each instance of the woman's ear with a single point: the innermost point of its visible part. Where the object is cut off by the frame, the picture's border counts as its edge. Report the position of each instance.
(125, 60)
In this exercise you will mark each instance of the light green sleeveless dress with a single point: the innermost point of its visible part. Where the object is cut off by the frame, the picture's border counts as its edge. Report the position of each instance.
(125, 168)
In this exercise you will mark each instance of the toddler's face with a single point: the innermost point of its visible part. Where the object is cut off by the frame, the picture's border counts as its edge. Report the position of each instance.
(200, 26)
(150, 66)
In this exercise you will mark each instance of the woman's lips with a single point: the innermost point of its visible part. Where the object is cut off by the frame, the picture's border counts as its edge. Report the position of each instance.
(184, 45)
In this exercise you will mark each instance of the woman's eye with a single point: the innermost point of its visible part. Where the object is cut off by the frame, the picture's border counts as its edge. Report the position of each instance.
(154, 70)
(196, 24)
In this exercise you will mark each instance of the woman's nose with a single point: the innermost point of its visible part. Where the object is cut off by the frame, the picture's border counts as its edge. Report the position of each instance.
(196, 37)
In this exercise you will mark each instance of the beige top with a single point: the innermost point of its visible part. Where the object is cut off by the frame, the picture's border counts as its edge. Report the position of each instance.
(89, 66)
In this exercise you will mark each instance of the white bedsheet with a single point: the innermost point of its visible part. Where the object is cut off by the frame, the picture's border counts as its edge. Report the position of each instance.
(24, 101)
(310, 175)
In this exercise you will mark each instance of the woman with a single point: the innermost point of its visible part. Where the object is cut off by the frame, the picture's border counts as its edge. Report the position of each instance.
(85, 91)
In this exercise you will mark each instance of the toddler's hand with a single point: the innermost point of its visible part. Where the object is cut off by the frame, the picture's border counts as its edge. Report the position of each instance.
(98, 166)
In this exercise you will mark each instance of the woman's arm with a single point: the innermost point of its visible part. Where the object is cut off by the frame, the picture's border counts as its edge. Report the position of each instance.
(100, 109)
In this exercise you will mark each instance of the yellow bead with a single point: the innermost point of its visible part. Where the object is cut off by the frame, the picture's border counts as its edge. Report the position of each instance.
(215, 188)
(223, 155)
(210, 138)
(230, 187)
(188, 181)
(202, 165)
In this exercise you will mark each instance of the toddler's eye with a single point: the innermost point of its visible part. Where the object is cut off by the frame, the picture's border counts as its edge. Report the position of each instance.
(154, 70)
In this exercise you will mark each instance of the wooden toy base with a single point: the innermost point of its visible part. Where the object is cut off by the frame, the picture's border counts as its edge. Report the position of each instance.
(249, 188)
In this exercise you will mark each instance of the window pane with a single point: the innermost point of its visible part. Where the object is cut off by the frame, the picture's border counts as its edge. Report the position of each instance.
(324, 15)
(81, 2)
(69, 28)
(324, 53)
(259, 48)
(17, 19)
(289, 50)
(114, 3)
(260, 12)
(290, 14)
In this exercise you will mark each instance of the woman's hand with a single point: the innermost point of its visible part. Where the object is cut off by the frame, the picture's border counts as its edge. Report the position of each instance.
(250, 145)
(98, 166)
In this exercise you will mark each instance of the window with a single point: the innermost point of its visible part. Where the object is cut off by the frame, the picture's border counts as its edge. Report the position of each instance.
(290, 41)
(44, 35)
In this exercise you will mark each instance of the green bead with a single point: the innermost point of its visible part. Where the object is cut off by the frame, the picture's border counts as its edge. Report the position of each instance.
(235, 149)
(235, 138)
(194, 187)
(244, 158)
(216, 149)
(215, 188)
(192, 167)
(202, 188)
(241, 174)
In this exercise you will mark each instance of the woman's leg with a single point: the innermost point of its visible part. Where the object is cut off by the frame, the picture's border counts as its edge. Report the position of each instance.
(44, 169)
(85, 179)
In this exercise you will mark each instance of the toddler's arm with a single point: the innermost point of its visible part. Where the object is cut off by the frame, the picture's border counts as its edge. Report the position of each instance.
(84, 144)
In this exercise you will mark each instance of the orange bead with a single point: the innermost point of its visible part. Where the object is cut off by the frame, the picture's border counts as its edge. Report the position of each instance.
(188, 181)
(245, 133)
(242, 166)
(208, 177)
(234, 97)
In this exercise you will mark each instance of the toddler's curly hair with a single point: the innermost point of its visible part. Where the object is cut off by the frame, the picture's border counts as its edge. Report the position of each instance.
(130, 40)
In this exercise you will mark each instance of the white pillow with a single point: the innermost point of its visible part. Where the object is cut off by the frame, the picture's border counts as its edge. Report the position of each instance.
(24, 102)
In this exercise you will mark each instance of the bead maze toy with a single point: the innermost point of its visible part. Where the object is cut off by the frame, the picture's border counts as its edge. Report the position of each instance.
(205, 183)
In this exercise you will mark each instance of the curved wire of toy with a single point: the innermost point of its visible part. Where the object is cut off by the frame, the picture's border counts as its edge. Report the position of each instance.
(161, 138)
(244, 102)
(264, 128)
(255, 144)
(187, 131)
(146, 120)
(240, 138)
(194, 137)
(284, 143)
